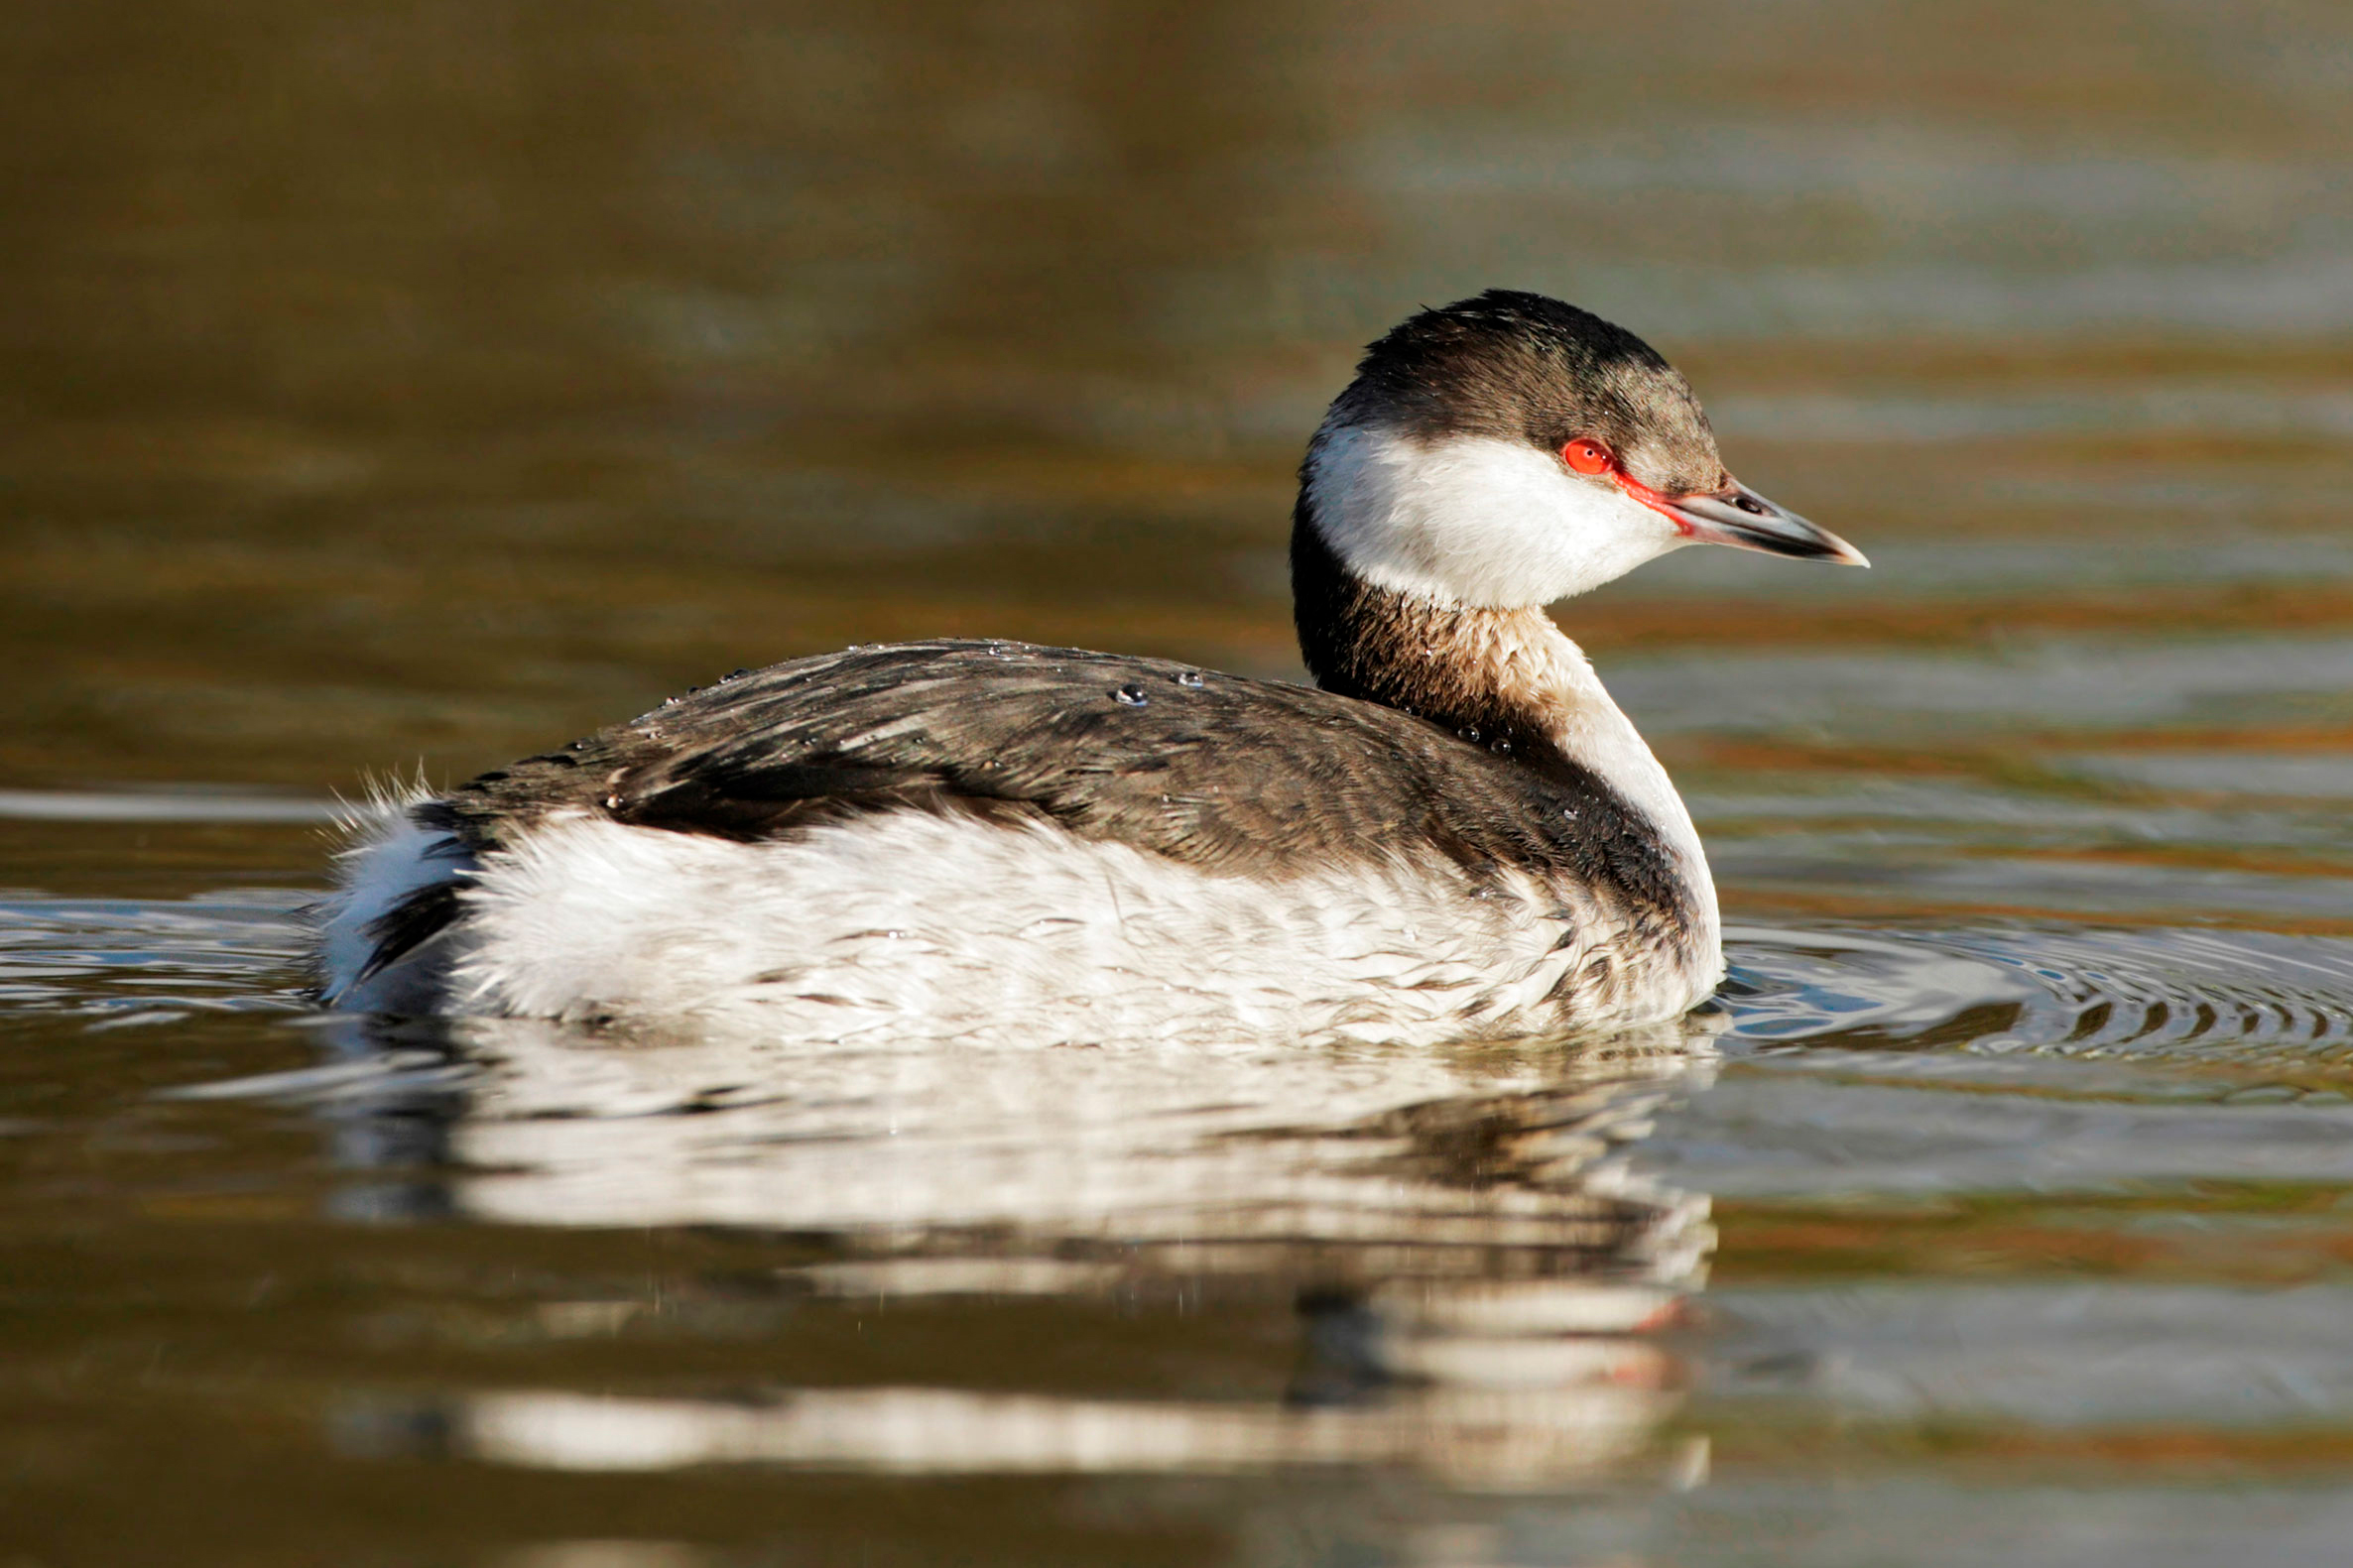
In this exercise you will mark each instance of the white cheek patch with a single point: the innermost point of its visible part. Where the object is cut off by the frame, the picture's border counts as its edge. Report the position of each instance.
(1473, 520)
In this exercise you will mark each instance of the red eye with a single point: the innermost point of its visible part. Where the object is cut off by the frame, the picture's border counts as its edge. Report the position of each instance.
(1588, 457)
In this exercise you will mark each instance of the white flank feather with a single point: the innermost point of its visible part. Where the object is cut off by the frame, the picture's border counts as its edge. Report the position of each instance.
(908, 926)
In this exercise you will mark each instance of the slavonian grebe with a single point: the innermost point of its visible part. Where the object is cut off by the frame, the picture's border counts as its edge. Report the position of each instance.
(1457, 834)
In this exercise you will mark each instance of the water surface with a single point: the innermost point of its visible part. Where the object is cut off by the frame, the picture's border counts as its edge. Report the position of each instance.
(413, 392)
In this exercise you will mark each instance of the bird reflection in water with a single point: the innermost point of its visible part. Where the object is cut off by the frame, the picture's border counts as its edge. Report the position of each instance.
(1486, 1285)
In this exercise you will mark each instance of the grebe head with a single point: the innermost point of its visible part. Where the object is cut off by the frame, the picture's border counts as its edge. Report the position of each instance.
(1511, 450)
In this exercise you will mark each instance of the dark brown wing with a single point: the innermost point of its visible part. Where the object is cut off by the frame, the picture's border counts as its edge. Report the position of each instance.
(1248, 776)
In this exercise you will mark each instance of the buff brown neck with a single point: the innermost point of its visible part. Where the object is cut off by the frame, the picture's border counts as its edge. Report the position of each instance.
(1472, 671)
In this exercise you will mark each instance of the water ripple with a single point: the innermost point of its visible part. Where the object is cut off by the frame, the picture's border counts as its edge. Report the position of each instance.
(2142, 994)
(121, 958)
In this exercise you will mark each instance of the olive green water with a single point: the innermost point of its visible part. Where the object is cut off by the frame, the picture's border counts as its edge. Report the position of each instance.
(415, 388)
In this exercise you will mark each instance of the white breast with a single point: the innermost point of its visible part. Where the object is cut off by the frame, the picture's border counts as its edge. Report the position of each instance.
(909, 926)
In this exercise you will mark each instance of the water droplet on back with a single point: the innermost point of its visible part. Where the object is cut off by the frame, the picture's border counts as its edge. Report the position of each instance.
(1188, 677)
(1130, 695)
